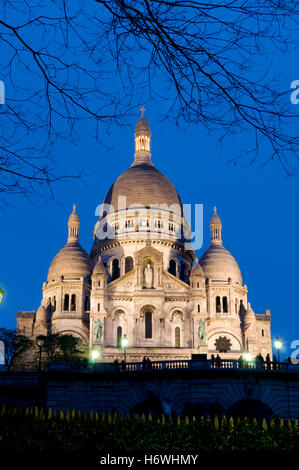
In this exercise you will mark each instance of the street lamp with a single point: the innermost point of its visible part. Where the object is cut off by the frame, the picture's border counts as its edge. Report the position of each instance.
(94, 354)
(124, 345)
(1, 295)
(278, 345)
(40, 340)
(247, 356)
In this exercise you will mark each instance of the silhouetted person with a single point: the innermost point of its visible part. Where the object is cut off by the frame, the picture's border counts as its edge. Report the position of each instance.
(149, 363)
(144, 364)
(268, 361)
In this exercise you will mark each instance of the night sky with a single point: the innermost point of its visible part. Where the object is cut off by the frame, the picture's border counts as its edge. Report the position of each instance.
(258, 207)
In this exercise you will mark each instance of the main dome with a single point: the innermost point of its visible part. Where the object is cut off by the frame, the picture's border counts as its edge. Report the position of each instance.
(144, 185)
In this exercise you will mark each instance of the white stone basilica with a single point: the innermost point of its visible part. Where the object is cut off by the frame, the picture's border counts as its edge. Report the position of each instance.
(142, 280)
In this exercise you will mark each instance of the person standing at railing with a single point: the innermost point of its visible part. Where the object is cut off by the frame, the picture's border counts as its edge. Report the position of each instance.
(268, 362)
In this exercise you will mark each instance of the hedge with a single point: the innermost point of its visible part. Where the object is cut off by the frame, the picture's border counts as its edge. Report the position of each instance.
(33, 428)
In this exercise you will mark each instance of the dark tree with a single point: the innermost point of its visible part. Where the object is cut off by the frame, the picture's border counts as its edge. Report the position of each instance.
(16, 346)
(63, 347)
(74, 66)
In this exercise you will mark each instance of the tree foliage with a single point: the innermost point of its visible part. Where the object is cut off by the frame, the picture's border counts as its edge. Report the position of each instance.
(84, 64)
(16, 345)
(63, 347)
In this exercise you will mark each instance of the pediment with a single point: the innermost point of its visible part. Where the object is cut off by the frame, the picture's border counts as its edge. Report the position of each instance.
(172, 283)
(124, 282)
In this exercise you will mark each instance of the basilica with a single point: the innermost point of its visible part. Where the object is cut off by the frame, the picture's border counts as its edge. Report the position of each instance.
(143, 282)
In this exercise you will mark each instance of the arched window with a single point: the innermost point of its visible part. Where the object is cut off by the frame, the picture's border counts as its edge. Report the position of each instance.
(224, 305)
(99, 307)
(115, 269)
(236, 306)
(177, 334)
(119, 336)
(54, 303)
(218, 304)
(148, 324)
(87, 304)
(73, 302)
(198, 308)
(99, 283)
(172, 267)
(66, 302)
(128, 264)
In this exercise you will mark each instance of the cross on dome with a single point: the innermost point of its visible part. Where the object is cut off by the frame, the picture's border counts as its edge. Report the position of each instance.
(142, 109)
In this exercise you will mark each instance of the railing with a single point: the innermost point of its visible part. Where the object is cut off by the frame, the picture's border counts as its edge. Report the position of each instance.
(147, 365)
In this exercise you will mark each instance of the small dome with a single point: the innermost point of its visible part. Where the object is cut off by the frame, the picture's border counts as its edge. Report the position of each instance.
(142, 125)
(197, 269)
(99, 268)
(41, 314)
(74, 216)
(71, 261)
(218, 264)
(249, 314)
(215, 219)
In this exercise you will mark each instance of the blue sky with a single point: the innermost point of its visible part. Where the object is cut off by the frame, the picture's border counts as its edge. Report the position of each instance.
(258, 209)
(257, 206)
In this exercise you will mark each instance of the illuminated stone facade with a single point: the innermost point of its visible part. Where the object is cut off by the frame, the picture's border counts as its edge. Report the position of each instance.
(142, 279)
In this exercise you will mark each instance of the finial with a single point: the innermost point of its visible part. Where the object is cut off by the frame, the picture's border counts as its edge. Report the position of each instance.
(74, 207)
(142, 109)
(215, 210)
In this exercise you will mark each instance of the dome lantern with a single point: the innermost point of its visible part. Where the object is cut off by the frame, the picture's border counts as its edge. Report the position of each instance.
(215, 227)
(142, 141)
(73, 226)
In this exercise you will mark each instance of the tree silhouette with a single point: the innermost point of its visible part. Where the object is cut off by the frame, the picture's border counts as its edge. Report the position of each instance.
(73, 65)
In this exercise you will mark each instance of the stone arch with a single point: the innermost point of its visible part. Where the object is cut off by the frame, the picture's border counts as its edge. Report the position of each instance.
(118, 320)
(236, 342)
(147, 314)
(77, 333)
(151, 405)
(173, 267)
(250, 408)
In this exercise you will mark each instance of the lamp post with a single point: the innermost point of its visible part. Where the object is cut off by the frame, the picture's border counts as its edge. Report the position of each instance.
(94, 355)
(1, 295)
(124, 345)
(278, 345)
(40, 340)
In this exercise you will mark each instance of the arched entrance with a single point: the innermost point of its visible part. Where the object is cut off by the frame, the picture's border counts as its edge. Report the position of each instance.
(250, 409)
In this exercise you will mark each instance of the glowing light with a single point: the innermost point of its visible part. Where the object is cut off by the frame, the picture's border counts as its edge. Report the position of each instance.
(247, 356)
(124, 342)
(278, 343)
(94, 354)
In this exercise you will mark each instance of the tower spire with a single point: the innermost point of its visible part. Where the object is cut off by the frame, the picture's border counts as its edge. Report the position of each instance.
(216, 227)
(73, 226)
(142, 141)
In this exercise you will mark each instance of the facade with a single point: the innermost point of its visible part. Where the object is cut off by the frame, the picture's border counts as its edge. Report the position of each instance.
(143, 281)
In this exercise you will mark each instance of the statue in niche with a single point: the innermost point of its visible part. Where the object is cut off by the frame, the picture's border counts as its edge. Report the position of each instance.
(148, 276)
(201, 332)
(97, 331)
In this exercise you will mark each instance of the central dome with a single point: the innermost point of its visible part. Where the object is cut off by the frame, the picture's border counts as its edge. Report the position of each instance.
(144, 185)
